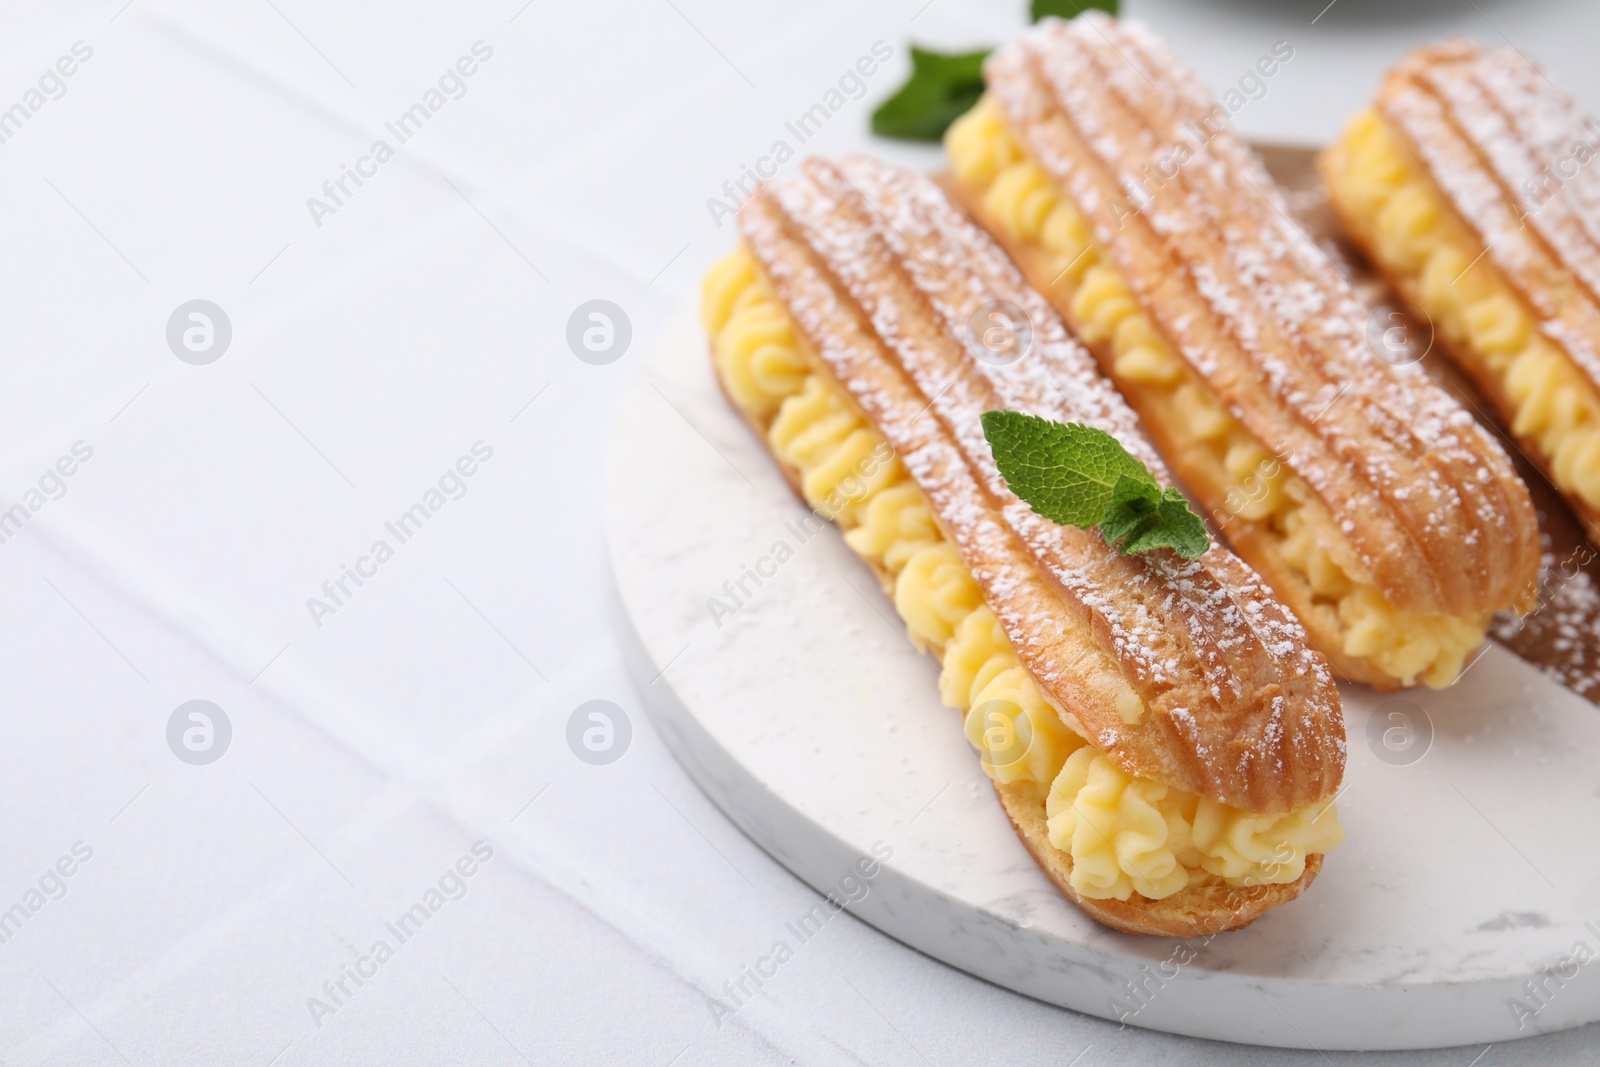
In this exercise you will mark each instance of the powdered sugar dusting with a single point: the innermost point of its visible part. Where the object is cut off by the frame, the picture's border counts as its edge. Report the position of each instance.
(1257, 310)
(882, 273)
(1516, 157)
(1560, 635)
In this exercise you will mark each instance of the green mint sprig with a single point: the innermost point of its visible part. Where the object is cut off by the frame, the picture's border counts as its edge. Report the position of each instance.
(941, 89)
(1076, 475)
(944, 85)
(1069, 9)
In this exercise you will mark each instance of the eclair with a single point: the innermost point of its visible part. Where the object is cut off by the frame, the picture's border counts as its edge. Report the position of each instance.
(1162, 737)
(1471, 186)
(1372, 503)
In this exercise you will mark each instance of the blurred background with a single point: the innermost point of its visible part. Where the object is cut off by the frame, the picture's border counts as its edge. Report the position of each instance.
(244, 346)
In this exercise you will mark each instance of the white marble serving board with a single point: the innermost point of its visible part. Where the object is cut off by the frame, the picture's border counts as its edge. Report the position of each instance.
(812, 723)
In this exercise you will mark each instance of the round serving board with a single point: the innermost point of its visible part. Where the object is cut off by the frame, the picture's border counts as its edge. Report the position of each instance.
(807, 717)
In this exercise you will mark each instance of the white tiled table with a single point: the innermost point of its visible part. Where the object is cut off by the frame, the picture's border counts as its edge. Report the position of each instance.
(423, 316)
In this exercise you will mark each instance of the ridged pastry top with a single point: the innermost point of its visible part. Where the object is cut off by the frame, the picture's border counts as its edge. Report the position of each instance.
(1520, 162)
(1429, 502)
(882, 273)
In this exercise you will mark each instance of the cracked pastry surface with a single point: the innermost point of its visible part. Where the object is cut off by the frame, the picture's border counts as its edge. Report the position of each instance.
(1165, 743)
(1376, 508)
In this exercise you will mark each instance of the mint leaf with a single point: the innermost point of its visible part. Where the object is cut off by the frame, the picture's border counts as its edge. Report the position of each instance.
(1065, 471)
(1134, 503)
(941, 89)
(1067, 9)
(1077, 475)
(949, 67)
(1167, 524)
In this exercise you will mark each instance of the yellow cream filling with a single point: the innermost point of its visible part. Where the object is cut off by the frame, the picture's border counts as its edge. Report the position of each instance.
(1023, 200)
(1473, 307)
(1126, 835)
